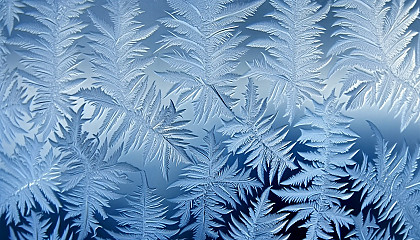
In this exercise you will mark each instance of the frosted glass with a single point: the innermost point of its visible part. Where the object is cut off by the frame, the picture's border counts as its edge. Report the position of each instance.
(216, 119)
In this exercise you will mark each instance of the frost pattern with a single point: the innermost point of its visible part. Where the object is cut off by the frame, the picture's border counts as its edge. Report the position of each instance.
(28, 179)
(391, 184)
(9, 13)
(293, 62)
(145, 216)
(253, 133)
(50, 56)
(259, 224)
(319, 195)
(14, 106)
(124, 97)
(90, 175)
(90, 93)
(204, 72)
(381, 66)
(364, 228)
(210, 186)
